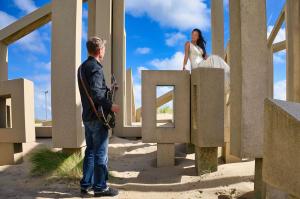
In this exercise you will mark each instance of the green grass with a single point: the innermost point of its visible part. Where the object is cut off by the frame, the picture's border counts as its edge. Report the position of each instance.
(165, 109)
(56, 164)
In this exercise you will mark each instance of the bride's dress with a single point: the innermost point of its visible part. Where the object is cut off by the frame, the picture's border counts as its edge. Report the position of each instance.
(213, 61)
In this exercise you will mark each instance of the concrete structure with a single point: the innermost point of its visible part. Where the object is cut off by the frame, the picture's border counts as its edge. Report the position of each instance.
(217, 27)
(130, 104)
(100, 24)
(249, 64)
(21, 93)
(119, 65)
(66, 106)
(166, 136)
(292, 19)
(207, 116)
(281, 146)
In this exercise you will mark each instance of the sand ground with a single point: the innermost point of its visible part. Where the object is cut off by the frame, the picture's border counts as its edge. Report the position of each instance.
(133, 167)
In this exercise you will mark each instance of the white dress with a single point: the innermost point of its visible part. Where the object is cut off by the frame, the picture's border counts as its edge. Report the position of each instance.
(213, 61)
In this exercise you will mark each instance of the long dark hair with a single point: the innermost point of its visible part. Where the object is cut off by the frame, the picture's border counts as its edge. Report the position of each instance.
(201, 42)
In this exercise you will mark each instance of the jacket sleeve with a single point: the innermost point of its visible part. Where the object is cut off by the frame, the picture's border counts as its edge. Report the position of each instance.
(98, 89)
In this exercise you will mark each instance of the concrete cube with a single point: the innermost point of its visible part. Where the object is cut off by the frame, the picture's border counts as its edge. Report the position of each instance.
(22, 128)
(165, 155)
(207, 107)
(282, 146)
(180, 132)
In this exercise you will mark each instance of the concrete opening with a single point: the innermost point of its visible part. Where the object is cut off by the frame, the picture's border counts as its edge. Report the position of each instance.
(164, 107)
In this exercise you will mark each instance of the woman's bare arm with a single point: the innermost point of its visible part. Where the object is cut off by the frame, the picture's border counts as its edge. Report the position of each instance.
(186, 54)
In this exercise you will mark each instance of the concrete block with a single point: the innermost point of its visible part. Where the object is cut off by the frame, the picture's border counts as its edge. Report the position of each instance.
(206, 159)
(165, 155)
(43, 131)
(21, 93)
(11, 153)
(281, 146)
(207, 107)
(180, 132)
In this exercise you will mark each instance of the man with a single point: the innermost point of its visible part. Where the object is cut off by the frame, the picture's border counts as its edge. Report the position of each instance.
(95, 171)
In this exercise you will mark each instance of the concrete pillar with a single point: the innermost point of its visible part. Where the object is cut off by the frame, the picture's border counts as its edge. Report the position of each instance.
(206, 159)
(217, 27)
(165, 155)
(3, 77)
(249, 62)
(129, 97)
(259, 185)
(292, 20)
(100, 24)
(66, 58)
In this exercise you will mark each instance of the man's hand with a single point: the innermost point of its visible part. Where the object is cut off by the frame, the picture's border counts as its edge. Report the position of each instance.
(115, 108)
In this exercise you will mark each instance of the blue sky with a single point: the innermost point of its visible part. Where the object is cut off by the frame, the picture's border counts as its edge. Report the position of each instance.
(156, 32)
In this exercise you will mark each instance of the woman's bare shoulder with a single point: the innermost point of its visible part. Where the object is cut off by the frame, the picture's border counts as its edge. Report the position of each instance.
(187, 44)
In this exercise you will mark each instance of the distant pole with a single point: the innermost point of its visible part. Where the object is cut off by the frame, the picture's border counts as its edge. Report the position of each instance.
(46, 92)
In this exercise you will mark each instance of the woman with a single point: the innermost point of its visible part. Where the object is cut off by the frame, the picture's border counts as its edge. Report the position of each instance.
(195, 51)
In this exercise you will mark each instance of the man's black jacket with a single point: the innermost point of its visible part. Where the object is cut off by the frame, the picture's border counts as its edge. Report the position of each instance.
(94, 80)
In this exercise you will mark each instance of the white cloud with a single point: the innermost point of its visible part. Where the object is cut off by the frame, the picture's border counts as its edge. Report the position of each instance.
(179, 14)
(280, 57)
(173, 63)
(173, 39)
(5, 19)
(32, 42)
(25, 5)
(143, 50)
(280, 90)
(280, 36)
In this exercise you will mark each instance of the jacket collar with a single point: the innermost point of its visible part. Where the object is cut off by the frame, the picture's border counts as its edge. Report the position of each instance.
(94, 59)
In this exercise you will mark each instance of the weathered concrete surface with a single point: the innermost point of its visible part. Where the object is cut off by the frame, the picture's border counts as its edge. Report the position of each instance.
(249, 63)
(292, 19)
(165, 155)
(207, 107)
(100, 25)
(281, 146)
(66, 58)
(206, 159)
(21, 93)
(180, 133)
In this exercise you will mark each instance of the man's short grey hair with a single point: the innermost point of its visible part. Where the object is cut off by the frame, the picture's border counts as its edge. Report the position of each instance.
(94, 44)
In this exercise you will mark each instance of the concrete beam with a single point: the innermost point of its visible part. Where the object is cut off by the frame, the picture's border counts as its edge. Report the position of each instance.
(276, 27)
(217, 27)
(26, 25)
(66, 58)
(279, 46)
(292, 19)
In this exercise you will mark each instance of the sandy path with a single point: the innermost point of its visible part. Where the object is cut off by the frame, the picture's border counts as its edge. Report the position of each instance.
(133, 166)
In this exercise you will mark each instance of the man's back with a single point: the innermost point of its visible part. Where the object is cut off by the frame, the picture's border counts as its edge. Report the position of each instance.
(94, 80)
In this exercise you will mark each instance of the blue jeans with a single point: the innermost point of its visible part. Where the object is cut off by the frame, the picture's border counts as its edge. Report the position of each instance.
(95, 172)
